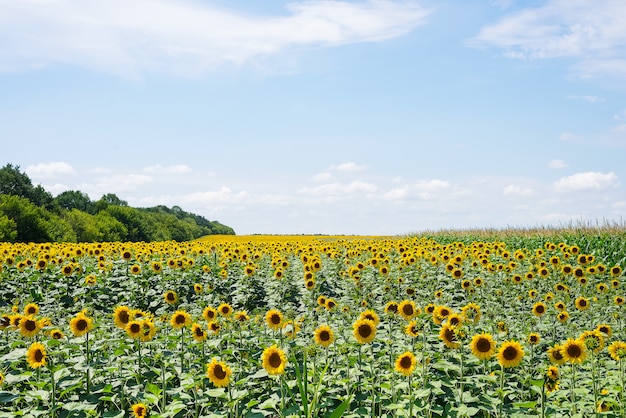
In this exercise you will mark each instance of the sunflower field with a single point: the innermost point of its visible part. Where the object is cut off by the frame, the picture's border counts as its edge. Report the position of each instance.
(315, 326)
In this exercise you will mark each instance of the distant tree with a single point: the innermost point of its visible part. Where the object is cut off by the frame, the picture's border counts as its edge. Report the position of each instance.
(110, 229)
(74, 199)
(29, 219)
(14, 182)
(107, 200)
(41, 197)
(83, 224)
(8, 229)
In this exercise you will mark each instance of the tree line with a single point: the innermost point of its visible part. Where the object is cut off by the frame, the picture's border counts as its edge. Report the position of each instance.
(31, 214)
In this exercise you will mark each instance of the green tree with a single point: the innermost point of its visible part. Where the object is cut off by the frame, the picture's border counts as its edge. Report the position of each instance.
(28, 218)
(14, 182)
(74, 199)
(8, 229)
(84, 225)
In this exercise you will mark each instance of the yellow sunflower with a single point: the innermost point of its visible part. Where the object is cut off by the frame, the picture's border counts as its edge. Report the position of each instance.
(483, 346)
(180, 319)
(139, 410)
(407, 309)
(274, 360)
(209, 314)
(81, 324)
(29, 326)
(218, 372)
(31, 309)
(533, 338)
(371, 315)
(574, 351)
(197, 332)
(412, 329)
(593, 340)
(324, 336)
(555, 356)
(539, 309)
(170, 297)
(364, 331)
(148, 330)
(134, 329)
(605, 329)
(448, 335)
(582, 303)
(242, 316)
(617, 350)
(36, 355)
(391, 307)
(225, 310)
(510, 354)
(274, 319)
(405, 363)
(121, 316)
(56, 334)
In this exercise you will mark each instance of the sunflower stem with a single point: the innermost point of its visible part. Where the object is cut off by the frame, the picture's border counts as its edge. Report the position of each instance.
(501, 391)
(410, 397)
(572, 394)
(53, 410)
(88, 382)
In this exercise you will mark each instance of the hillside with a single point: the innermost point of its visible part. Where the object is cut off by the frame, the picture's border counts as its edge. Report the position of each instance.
(31, 214)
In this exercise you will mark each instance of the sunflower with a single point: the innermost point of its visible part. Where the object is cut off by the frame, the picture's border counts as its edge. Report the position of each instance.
(209, 314)
(364, 330)
(148, 330)
(617, 350)
(510, 354)
(616, 271)
(483, 346)
(324, 336)
(81, 324)
(412, 329)
(274, 319)
(133, 329)
(225, 310)
(56, 334)
(562, 316)
(121, 316)
(218, 373)
(274, 360)
(405, 363)
(449, 336)
(574, 351)
(391, 307)
(242, 316)
(618, 300)
(214, 327)
(441, 313)
(559, 306)
(309, 284)
(471, 312)
(407, 309)
(539, 309)
(593, 340)
(180, 319)
(605, 329)
(371, 315)
(533, 338)
(31, 309)
(197, 287)
(555, 355)
(29, 326)
(139, 410)
(197, 332)
(36, 355)
(170, 297)
(582, 303)
(454, 320)
(135, 269)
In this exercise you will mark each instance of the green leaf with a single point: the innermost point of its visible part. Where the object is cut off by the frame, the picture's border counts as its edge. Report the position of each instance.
(338, 412)
(113, 414)
(79, 406)
(529, 404)
(6, 397)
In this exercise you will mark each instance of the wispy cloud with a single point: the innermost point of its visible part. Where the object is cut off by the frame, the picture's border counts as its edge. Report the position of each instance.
(340, 189)
(591, 32)
(349, 166)
(514, 190)
(590, 99)
(45, 171)
(557, 164)
(169, 169)
(184, 37)
(587, 181)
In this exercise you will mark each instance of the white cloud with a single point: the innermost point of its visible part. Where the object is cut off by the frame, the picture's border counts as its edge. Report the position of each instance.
(339, 189)
(50, 170)
(184, 37)
(397, 193)
(170, 169)
(590, 99)
(221, 196)
(322, 177)
(557, 164)
(513, 190)
(121, 183)
(591, 32)
(590, 180)
(349, 166)
(568, 136)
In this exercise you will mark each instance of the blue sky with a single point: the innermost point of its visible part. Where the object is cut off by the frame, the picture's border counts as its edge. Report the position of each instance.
(336, 117)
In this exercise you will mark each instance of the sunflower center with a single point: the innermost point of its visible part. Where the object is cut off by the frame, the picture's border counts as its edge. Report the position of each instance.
(219, 372)
(449, 335)
(583, 303)
(365, 330)
(170, 297)
(483, 345)
(199, 332)
(275, 319)
(405, 362)
(135, 328)
(38, 356)
(81, 325)
(30, 325)
(324, 336)
(124, 317)
(275, 360)
(180, 319)
(510, 353)
(393, 308)
(540, 309)
(407, 310)
(574, 351)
